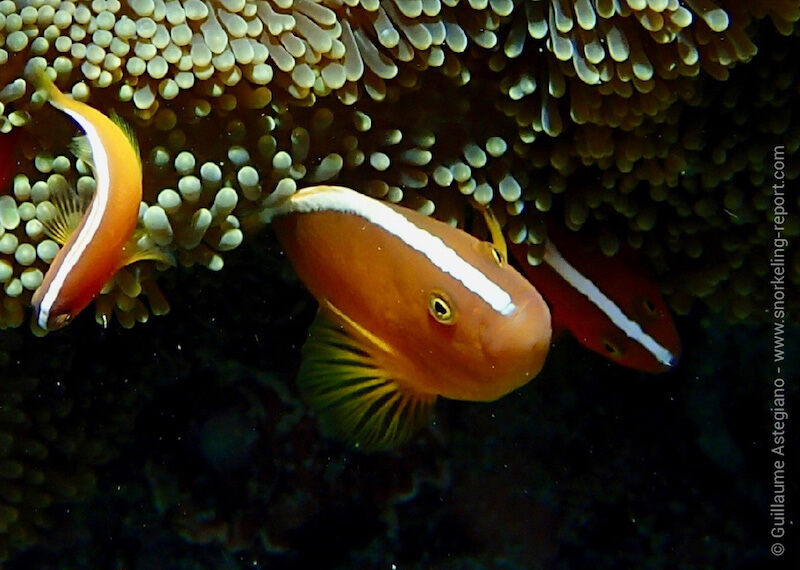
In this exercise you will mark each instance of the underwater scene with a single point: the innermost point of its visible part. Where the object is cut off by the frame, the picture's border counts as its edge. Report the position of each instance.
(399, 284)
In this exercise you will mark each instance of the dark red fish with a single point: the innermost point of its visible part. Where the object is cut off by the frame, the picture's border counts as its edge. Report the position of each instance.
(610, 304)
(8, 157)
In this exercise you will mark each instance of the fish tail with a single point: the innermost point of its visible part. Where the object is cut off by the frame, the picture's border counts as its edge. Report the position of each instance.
(41, 80)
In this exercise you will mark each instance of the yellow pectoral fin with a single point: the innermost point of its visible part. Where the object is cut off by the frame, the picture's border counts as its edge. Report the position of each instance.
(139, 248)
(347, 380)
(65, 216)
(356, 330)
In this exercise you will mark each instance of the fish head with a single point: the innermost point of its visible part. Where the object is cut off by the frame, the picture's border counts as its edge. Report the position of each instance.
(57, 316)
(612, 305)
(481, 349)
(516, 344)
(656, 347)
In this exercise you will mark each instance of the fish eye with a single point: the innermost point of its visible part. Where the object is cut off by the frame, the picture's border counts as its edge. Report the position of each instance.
(649, 306)
(611, 349)
(498, 257)
(440, 308)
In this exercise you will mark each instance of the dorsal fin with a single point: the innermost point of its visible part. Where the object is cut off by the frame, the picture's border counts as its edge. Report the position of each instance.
(344, 378)
(129, 133)
(80, 144)
(498, 239)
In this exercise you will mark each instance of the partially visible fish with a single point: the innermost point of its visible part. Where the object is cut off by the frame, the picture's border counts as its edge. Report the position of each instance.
(8, 157)
(610, 304)
(94, 250)
(410, 309)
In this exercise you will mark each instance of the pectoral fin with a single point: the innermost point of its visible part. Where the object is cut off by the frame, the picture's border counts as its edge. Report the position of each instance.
(139, 248)
(66, 215)
(348, 380)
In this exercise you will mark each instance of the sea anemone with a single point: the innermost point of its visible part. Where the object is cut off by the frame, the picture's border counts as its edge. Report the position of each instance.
(583, 111)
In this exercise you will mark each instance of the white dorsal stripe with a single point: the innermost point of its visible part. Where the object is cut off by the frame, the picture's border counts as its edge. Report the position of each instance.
(344, 200)
(589, 290)
(94, 215)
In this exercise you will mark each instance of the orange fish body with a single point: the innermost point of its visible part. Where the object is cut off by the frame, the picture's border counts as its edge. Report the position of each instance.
(96, 248)
(430, 310)
(616, 310)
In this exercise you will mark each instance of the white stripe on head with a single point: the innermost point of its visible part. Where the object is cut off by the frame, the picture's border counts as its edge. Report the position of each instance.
(589, 290)
(94, 215)
(344, 200)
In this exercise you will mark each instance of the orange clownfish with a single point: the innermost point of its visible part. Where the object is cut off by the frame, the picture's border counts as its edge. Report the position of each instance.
(609, 304)
(94, 250)
(410, 308)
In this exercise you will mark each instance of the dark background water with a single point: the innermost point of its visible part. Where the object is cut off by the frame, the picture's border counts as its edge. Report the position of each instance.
(210, 461)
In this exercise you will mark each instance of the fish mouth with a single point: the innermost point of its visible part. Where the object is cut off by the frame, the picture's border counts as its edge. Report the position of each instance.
(520, 334)
(514, 347)
(672, 361)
